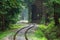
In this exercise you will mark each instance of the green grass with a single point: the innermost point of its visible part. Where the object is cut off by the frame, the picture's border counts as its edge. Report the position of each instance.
(16, 26)
(41, 38)
(35, 38)
(10, 31)
(5, 33)
(37, 35)
(40, 35)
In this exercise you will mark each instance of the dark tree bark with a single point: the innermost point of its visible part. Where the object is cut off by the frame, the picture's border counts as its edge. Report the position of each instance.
(34, 13)
(37, 11)
(46, 18)
(3, 27)
(56, 18)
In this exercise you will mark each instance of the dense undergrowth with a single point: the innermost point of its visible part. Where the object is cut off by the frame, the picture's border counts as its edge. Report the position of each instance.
(10, 31)
(43, 32)
(48, 32)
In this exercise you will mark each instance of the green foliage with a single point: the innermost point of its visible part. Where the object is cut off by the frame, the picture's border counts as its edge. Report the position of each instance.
(50, 30)
(4, 34)
(11, 31)
(39, 34)
(9, 9)
(16, 26)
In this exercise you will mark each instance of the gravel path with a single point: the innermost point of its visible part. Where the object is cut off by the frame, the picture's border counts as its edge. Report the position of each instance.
(20, 35)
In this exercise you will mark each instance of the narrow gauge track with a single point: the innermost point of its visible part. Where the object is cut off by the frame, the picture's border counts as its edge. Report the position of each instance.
(25, 34)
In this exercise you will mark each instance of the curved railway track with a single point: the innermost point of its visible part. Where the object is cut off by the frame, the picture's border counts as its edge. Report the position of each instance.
(26, 31)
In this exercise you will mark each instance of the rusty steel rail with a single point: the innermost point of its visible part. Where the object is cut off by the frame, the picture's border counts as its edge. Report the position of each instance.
(14, 37)
(27, 31)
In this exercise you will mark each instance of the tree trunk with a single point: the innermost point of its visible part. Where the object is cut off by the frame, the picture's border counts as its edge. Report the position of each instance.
(56, 18)
(2, 23)
(46, 18)
(37, 11)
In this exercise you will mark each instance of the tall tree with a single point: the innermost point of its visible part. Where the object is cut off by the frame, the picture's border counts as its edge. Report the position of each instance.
(9, 10)
(56, 17)
(37, 11)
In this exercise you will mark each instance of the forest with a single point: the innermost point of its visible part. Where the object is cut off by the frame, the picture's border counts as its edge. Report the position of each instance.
(29, 19)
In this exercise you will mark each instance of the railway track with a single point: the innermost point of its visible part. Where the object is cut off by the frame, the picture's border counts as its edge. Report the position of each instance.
(25, 29)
